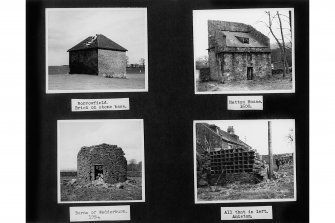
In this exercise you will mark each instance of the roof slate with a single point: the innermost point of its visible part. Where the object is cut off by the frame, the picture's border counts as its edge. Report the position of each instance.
(98, 41)
(232, 41)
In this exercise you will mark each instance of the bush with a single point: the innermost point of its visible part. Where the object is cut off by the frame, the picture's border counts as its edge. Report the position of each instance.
(204, 75)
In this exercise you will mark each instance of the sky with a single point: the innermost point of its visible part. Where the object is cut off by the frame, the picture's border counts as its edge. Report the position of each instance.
(255, 133)
(72, 135)
(247, 16)
(68, 27)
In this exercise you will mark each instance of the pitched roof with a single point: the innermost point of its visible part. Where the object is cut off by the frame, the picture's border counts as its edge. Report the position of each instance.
(226, 136)
(233, 39)
(97, 42)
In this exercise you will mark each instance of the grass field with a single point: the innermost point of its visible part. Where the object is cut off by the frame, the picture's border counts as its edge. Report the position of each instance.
(92, 82)
(281, 188)
(276, 82)
(74, 192)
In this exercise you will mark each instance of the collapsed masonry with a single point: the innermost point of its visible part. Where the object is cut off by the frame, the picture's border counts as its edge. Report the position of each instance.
(104, 162)
(222, 157)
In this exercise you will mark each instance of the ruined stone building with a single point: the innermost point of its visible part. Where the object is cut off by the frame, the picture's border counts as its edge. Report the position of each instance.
(212, 138)
(97, 55)
(237, 51)
(101, 162)
(228, 154)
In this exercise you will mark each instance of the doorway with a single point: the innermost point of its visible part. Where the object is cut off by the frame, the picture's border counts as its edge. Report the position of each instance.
(250, 73)
(98, 172)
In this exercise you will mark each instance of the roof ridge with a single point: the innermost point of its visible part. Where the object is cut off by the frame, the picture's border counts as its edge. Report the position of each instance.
(97, 39)
(99, 42)
(237, 141)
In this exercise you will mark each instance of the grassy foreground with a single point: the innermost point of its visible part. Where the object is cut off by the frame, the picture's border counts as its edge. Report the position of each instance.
(276, 82)
(280, 188)
(93, 82)
(75, 192)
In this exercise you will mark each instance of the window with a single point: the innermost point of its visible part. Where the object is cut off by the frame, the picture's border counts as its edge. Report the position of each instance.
(243, 39)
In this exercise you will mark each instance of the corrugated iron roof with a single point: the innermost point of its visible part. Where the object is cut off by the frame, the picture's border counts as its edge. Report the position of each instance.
(98, 41)
(232, 40)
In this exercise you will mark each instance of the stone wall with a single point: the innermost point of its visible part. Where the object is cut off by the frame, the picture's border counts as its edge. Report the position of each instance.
(213, 64)
(111, 62)
(235, 65)
(83, 62)
(110, 156)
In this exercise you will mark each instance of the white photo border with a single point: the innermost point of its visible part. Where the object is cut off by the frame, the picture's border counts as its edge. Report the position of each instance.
(146, 87)
(107, 201)
(194, 12)
(196, 201)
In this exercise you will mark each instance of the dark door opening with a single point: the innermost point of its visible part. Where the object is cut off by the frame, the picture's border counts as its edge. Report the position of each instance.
(250, 73)
(98, 172)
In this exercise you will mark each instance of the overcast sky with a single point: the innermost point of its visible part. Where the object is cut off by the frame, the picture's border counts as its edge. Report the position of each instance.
(72, 135)
(255, 133)
(247, 16)
(68, 27)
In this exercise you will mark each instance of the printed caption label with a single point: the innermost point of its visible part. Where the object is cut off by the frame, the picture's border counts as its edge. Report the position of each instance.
(246, 213)
(100, 213)
(109, 104)
(245, 102)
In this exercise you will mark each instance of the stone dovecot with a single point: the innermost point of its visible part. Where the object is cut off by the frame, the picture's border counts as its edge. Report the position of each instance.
(97, 55)
(237, 51)
(102, 162)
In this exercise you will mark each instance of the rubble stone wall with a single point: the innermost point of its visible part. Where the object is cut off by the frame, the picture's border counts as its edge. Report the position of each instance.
(235, 65)
(111, 62)
(110, 156)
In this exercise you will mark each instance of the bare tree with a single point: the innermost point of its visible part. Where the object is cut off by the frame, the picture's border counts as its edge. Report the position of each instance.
(280, 42)
(132, 164)
(290, 136)
(284, 45)
(142, 62)
(127, 61)
(202, 62)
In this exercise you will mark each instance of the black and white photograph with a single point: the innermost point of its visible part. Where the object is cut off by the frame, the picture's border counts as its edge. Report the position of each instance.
(100, 161)
(244, 51)
(96, 50)
(244, 161)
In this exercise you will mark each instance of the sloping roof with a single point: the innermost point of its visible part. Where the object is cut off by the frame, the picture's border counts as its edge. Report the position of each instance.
(230, 138)
(226, 136)
(233, 41)
(97, 42)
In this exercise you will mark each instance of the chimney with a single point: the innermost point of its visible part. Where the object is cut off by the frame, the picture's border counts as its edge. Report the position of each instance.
(230, 130)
